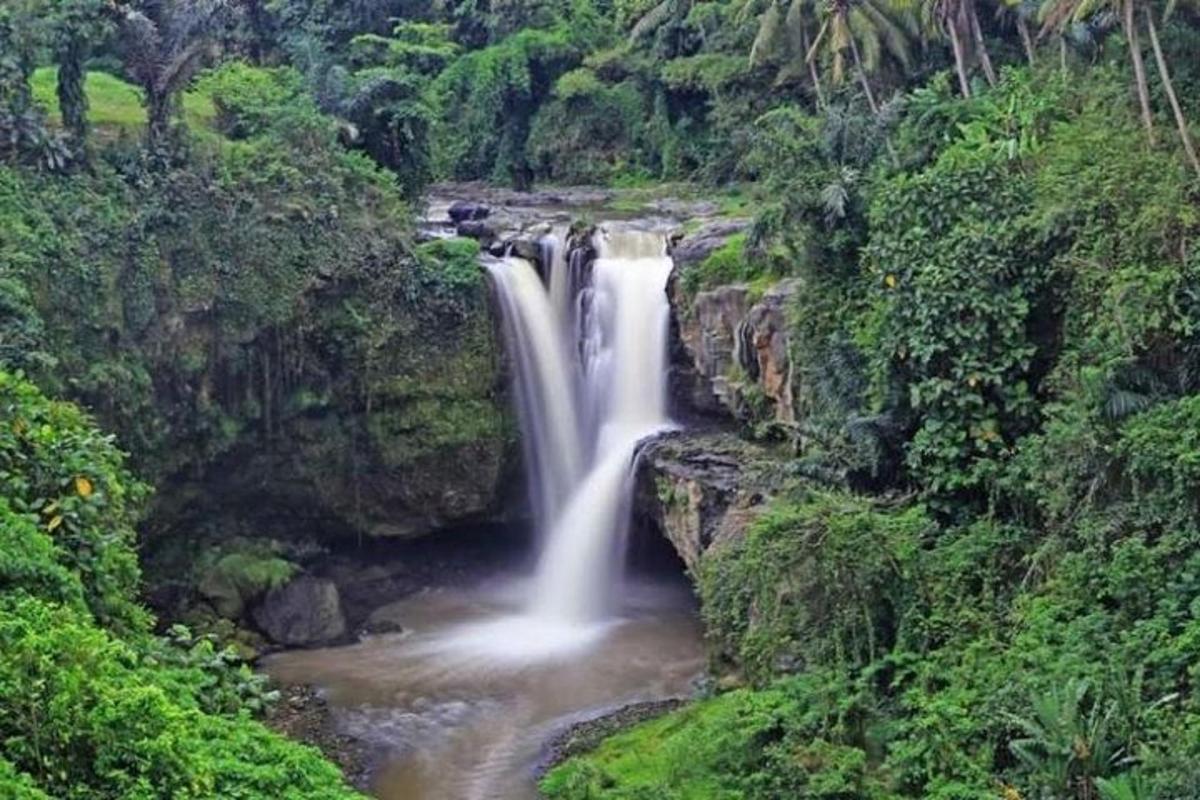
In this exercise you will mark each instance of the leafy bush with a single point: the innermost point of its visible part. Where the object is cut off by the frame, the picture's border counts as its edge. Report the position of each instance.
(820, 581)
(490, 97)
(589, 131)
(55, 467)
(960, 279)
(95, 706)
(250, 101)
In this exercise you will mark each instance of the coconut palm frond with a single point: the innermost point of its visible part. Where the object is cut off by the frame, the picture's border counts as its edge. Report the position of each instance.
(770, 41)
(895, 31)
(652, 20)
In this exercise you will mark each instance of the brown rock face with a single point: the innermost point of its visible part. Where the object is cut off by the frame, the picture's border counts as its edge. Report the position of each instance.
(762, 348)
(703, 489)
(735, 352)
(708, 330)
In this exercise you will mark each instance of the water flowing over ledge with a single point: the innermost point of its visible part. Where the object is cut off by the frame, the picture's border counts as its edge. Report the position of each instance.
(590, 355)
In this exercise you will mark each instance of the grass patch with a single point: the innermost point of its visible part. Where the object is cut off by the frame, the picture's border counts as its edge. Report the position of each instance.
(115, 107)
(669, 757)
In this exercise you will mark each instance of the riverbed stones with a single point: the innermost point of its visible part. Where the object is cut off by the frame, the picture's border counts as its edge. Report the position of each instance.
(305, 612)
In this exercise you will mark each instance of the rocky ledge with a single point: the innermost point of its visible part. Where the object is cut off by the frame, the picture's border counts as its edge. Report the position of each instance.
(700, 489)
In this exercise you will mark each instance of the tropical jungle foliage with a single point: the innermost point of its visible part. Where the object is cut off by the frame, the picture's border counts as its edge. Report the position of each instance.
(984, 578)
(95, 705)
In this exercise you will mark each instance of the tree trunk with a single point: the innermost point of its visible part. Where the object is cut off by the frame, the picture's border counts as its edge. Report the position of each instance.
(862, 76)
(1139, 67)
(1026, 40)
(813, 73)
(985, 59)
(72, 97)
(960, 57)
(1062, 54)
(1180, 121)
(158, 119)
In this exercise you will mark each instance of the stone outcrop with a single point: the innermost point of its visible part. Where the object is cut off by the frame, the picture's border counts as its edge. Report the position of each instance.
(305, 612)
(701, 490)
(761, 349)
(730, 351)
(708, 334)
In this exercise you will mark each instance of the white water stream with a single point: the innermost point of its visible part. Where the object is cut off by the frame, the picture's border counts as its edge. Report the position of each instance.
(624, 325)
(465, 699)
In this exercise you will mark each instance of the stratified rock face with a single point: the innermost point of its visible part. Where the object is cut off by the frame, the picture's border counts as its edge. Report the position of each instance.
(762, 348)
(731, 353)
(708, 329)
(307, 611)
(703, 489)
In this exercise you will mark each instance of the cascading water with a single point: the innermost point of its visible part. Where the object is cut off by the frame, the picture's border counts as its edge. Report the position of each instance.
(484, 675)
(611, 384)
(545, 387)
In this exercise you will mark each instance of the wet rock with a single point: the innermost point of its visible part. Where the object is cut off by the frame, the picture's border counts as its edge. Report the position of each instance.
(220, 591)
(467, 211)
(473, 229)
(386, 619)
(704, 489)
(528, 249)
(307, 611)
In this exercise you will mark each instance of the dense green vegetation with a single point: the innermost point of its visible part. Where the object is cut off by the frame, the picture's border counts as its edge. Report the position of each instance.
(984, 580)
(94, 705)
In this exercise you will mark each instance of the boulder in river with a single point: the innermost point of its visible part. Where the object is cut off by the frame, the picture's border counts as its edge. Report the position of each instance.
(307, 611)
(467, 211)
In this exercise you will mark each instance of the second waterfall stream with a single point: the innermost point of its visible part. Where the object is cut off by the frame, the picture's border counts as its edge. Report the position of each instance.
(589, 348)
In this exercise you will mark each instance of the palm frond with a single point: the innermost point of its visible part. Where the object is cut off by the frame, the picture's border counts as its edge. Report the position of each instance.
(652, 20)
(770, 42)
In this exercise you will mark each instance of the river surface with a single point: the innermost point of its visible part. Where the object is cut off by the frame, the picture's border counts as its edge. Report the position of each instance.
(462, 703)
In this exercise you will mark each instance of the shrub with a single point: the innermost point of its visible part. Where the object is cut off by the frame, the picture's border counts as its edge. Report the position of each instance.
(94, 705)
(57, 468)
(820, 580)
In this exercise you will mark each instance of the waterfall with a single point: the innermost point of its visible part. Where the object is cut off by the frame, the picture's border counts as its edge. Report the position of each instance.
(545, 390)
(590, 358)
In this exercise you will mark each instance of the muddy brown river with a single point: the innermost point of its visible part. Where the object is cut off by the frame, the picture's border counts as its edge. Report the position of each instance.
(462, 703)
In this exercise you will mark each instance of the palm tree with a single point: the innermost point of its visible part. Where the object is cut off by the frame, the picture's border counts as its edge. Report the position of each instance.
(854, 32)
(164, 44)
(659, 15)
(948, 17)
(860, 31)
(1164, 74)
(785, 38)
(958, 21)
(77, 26)
(1022, 11)
(1060, 13)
